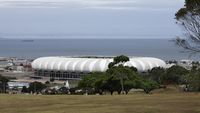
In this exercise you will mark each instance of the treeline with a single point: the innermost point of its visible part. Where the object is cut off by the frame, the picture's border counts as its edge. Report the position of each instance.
(177, 75)
(117, 78)
(121, 79)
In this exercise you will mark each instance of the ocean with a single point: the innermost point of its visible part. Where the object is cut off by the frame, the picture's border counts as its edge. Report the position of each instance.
(160, 48)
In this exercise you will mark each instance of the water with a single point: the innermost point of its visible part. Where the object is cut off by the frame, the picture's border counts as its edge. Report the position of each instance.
(160, 48)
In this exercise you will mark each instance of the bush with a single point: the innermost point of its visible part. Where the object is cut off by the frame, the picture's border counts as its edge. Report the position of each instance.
(149, 85)
(25, 90)
(175, 75)
(194, 81)
(36, 87)
(157, 74)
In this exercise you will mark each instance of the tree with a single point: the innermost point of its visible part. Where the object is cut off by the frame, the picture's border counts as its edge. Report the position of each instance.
(111, 80)
(157, 74)
(110, 65)
(189, 18)
(118, 78)
(194, 80)
(113, 84)
(96, 80)
(149, 85)
(119, 60)
(36, 87)
(122, 73)
(175, 75)
(130, 84)
(3, 84)
(89, 81)
(133, 68)
(101, 84)
(24, 89)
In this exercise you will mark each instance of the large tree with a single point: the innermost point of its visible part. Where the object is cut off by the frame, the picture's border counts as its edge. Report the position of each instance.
(119, 61)
(188, 18)
(123, 74)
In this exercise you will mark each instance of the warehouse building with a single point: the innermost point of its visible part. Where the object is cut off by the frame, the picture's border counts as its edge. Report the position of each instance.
(63, 68)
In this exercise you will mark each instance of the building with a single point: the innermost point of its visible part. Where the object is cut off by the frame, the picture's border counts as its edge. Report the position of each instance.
(63, 68)
(18, 85)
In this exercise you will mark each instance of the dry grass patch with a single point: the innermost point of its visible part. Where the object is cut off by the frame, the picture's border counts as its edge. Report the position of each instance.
(134, 103)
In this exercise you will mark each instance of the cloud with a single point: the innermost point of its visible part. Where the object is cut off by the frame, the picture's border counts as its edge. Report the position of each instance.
(94, 4)
(29, 4)
(62, 3)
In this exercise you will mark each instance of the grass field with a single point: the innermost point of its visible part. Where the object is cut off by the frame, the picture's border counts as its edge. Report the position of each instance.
(134, 103)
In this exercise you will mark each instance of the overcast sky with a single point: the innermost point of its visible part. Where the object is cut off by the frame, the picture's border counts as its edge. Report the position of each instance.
(89, 18)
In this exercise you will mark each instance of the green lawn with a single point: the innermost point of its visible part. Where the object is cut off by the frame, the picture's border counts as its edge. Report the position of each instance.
(134, 103)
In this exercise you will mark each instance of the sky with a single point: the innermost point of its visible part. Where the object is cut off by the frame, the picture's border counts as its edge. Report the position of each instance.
(89, 18)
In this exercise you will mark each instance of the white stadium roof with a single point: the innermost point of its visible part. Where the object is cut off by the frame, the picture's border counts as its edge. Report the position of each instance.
(92, 64)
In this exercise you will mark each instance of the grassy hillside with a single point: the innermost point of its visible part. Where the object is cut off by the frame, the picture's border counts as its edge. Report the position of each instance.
(134, 103)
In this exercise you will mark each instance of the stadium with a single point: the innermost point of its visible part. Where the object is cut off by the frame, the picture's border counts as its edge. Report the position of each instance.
(63, 68)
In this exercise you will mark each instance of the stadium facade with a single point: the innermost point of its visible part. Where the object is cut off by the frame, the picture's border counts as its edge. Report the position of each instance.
(76, 67)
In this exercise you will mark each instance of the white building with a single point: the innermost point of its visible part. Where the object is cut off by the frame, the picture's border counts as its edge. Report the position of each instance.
(72, 68)
(18, 85)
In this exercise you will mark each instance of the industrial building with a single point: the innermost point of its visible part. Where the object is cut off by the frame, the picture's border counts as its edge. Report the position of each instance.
(63, 68)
